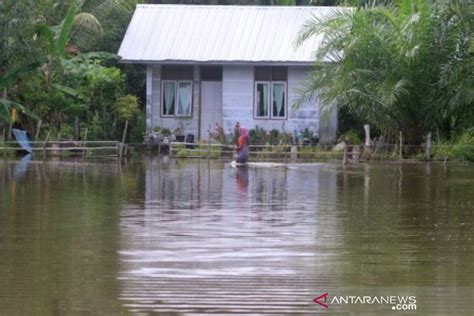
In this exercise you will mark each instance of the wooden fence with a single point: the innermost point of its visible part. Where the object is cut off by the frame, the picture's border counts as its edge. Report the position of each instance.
(58, 148)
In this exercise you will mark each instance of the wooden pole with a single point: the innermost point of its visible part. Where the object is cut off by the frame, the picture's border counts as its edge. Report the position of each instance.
(119, 150)
(3, 141)
(45, 144)
(346, 152)
(209, 143)
(355, 153)
(6, 133)
(428, 147)
(123, 140)
(400, 153)
(9, 133)
(77, 128)
(38, 128)
(368, 143)
(84, 143)
(125, 132)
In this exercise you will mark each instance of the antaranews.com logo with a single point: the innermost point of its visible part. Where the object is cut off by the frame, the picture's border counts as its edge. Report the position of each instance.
(397, 303)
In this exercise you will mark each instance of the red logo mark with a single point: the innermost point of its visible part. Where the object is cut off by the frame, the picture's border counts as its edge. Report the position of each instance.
(325, 296)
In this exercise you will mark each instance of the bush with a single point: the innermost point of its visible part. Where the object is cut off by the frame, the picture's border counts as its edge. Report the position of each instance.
(258, 135)
(126, 107)
(463, 148)
(352, 137)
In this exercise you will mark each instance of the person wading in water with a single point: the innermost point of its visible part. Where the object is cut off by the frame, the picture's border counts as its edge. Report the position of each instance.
(243, 146)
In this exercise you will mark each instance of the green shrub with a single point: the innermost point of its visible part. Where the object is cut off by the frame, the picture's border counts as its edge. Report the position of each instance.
(66, 132)
(352, 137)
(126, 107)
(463, 148)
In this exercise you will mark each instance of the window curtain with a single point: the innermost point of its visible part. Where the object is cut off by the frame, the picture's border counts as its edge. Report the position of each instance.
(169, 97)
(184, 93)
(278, 98)
(265, 99)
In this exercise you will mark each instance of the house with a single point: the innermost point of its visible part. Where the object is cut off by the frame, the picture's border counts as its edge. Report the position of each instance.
(209, 64)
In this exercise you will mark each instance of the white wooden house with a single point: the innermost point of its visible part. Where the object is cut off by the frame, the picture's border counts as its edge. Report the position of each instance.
(209, 65)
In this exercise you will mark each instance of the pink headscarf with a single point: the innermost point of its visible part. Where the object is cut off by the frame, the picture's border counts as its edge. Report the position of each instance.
(244, 132)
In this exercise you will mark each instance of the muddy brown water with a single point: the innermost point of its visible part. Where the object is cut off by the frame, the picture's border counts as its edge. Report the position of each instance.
(162, 236)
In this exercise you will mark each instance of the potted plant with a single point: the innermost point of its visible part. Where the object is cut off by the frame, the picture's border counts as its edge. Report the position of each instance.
(179, 131)
(166, 133)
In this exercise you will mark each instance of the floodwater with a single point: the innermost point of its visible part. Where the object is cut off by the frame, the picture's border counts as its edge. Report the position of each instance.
(174, 237)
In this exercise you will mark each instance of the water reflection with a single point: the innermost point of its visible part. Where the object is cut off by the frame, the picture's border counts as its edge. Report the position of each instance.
(21, 167)
(217, 239)
(58, 238)
(242, 176)
(168, 236)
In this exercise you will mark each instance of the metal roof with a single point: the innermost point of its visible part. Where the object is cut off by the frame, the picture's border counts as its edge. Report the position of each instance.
(219, 34)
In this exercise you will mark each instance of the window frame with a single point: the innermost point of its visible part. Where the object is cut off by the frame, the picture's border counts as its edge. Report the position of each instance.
(270, 115)
(256, 101)
(176, 92)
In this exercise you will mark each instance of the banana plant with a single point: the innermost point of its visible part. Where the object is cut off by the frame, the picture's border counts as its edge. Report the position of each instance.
(57, 38)
(7, 81)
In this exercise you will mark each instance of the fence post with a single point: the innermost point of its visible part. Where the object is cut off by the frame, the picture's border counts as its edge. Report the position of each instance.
(355, 154)
(400, 153)
(38, 128)
(428, 147)
(209, 143)
(84, 143)
(45, 144)
(294, 152)
(368, 143)
(3, 142)
(346, 152)
(122, 145)
(119, 150)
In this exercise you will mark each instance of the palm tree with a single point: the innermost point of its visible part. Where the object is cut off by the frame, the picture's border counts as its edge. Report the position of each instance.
(399, 68)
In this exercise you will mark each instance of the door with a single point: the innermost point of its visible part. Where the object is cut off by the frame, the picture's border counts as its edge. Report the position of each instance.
(211, 107)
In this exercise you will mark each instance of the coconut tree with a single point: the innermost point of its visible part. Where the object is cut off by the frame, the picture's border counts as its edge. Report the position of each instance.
(400, 68)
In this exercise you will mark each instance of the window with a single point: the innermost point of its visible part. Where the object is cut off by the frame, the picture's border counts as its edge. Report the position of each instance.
(177, 91)
(169, 93)
(177, 97)
(278, 99)
(262, 99)
(270, 92)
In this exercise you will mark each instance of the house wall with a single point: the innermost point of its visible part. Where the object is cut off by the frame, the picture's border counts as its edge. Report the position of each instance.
(190, 125)
(238, 104)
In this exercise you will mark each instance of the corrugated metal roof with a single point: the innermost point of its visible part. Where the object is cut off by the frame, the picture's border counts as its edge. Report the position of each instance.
(219, 34)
